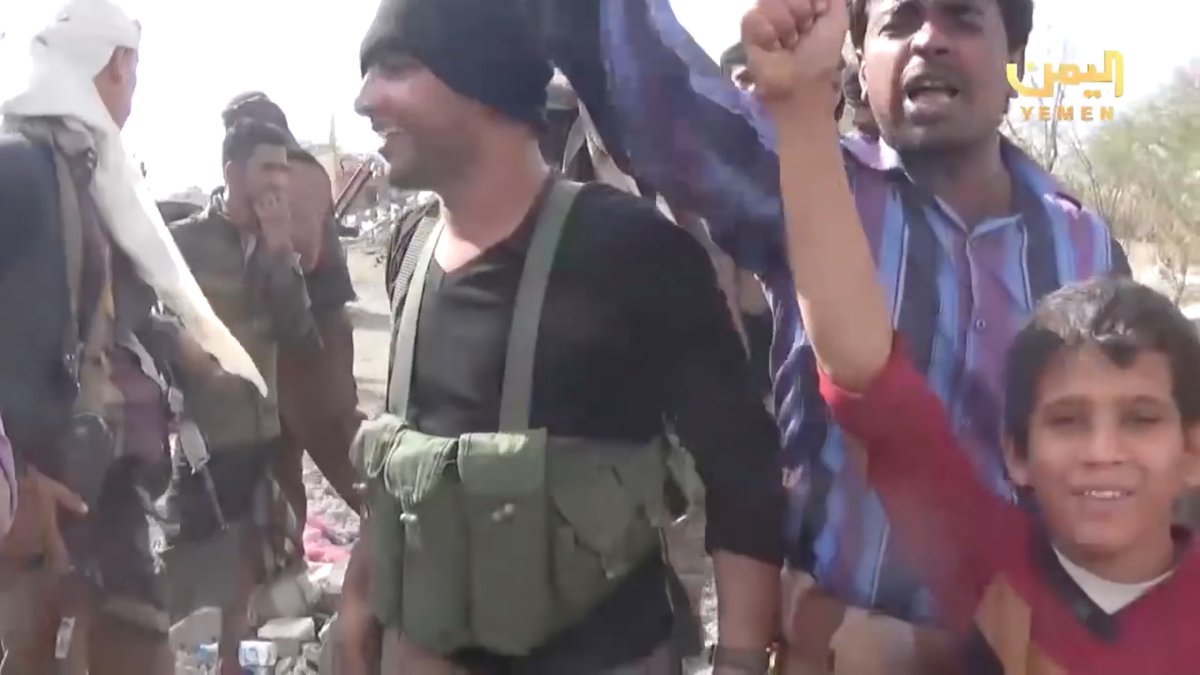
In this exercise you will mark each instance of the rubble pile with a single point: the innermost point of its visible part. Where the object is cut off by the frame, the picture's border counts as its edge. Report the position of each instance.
(293, 615)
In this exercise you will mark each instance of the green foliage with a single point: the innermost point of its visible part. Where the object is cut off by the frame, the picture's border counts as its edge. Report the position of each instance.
(1140, 172)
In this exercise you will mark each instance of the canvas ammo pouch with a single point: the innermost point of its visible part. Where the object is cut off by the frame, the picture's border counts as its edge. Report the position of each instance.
(501, 540)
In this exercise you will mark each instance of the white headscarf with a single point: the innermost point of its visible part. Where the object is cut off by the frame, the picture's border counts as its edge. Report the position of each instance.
(66, 58)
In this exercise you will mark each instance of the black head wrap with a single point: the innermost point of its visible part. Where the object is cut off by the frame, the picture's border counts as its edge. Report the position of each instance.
(255, 105)
(487, 50)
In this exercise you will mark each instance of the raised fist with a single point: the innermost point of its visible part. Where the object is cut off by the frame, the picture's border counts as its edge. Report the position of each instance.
(794, 47)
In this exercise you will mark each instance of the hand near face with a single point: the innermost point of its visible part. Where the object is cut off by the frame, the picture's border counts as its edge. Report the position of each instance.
(794, 47)
(275, 218)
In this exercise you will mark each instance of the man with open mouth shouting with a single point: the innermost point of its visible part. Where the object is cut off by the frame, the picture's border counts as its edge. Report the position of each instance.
(966, 230)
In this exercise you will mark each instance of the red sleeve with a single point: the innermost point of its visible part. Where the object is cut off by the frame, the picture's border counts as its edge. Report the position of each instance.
(950, 527)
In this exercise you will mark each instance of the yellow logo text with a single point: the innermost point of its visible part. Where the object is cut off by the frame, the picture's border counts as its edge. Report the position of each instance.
(1067, 113)
(1069, 75)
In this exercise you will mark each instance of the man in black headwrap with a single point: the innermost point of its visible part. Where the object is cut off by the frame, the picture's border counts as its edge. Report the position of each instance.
(565, 573)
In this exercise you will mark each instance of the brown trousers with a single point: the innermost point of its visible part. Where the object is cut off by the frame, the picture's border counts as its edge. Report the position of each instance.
(825, 637)
(318, 399)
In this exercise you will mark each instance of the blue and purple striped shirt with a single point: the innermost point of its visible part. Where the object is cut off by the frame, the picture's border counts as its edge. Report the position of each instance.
(958, 293)
(8, 483)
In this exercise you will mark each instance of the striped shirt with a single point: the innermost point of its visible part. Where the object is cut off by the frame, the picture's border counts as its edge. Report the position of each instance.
(958, 294)
(8, 483)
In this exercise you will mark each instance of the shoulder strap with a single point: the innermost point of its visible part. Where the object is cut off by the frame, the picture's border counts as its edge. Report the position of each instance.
(81, 304)
(399, 238)
(576, 142)
(408, 263)
(413, 267)
(517, 390)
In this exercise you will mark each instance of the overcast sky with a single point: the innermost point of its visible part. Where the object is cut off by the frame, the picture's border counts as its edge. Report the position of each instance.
(197, 55)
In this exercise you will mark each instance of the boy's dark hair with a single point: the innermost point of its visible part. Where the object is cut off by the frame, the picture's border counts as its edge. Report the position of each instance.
(1017, 16)
(733, 57)
(1116, 314)
(245, 135)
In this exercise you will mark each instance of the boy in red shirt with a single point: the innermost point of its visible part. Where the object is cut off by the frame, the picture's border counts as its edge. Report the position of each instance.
(1102, 414)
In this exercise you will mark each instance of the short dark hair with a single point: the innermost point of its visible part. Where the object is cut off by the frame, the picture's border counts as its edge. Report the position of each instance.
(1119, 316)
(733, 57)
(246, 135)
(1016, 14)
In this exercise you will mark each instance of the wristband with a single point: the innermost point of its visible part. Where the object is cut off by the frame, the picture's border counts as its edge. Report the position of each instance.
(750, 661)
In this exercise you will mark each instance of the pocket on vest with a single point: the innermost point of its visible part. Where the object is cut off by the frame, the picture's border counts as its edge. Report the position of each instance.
(508, 524)
(606, 502)
(429, 540)
(499, 540)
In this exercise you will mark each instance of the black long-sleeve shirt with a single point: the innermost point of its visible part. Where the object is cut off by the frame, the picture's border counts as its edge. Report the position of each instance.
(634, 331)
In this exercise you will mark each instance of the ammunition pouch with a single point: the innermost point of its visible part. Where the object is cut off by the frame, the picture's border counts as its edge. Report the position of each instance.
(501, 540)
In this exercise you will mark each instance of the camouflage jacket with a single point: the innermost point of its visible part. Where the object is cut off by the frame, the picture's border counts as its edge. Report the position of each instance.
(261, 297)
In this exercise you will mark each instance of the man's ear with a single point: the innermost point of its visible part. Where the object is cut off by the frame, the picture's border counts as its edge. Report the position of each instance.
(1017, 463)
(119, 64)
(862, 78)
(1017, 57)
(110, 73)
(1191, 459)
(228, 172)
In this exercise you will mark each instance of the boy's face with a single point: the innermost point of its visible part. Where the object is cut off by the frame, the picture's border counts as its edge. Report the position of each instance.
(1107, 457)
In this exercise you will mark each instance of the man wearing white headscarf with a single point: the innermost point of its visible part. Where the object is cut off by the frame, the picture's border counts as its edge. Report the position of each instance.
(87, 37)
(86, 390)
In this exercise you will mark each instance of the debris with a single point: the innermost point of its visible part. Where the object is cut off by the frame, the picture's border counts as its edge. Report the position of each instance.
(328, 579)
(203, 627)
(287, 597)
(289, 635)
(258, 655)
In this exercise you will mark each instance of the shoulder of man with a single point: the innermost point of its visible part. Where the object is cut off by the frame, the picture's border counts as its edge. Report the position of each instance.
(28, 187)
(425, 208)
(16, 148)
(610, 222)
(1076, 216)
(197, 240)
(193, 224)
(329, 284)
(1086, 226)
(26, 170)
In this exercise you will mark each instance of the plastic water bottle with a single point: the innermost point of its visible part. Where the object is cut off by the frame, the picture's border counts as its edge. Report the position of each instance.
(257, 657)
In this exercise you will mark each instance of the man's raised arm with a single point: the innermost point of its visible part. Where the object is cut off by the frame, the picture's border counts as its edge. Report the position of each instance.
(793, 46)
(672, 120)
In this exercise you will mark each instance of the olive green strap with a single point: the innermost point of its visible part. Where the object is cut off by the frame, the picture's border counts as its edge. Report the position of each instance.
(404, 346)
(517, 390)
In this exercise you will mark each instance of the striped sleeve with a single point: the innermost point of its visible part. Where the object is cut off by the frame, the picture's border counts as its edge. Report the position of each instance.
(705, 146)
(8, 483)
